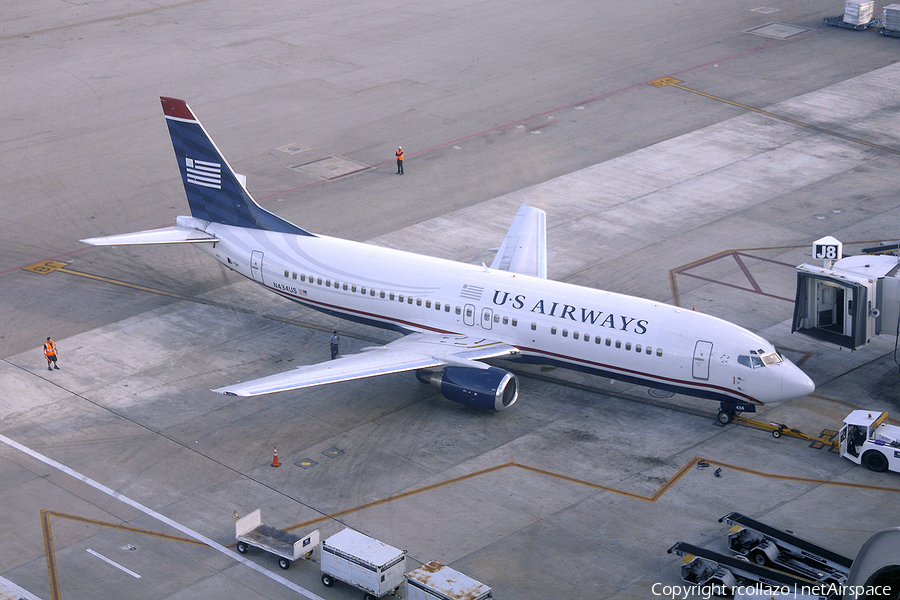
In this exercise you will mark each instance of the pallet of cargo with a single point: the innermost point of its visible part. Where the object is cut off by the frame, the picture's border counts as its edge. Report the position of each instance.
(838, 21)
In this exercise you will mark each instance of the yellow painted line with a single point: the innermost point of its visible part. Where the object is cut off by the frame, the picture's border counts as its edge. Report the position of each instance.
(668, 485)
(100, 20)
(676, 84)
(52, 570)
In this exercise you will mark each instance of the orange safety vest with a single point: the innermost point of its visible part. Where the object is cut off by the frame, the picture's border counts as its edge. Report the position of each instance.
(50, 348)
(399, 154)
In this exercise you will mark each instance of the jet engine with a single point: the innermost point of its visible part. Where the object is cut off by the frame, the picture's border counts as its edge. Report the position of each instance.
(488, 389)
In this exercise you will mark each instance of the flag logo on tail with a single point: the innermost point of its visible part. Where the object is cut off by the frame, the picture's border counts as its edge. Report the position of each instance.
(201, 172)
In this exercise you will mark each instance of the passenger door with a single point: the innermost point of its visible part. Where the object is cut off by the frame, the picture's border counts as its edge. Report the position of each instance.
(702, 352)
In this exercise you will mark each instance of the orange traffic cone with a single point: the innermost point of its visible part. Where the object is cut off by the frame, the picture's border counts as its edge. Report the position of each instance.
(275, 462)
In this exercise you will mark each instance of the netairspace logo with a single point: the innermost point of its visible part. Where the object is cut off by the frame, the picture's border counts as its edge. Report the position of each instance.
(833, 590)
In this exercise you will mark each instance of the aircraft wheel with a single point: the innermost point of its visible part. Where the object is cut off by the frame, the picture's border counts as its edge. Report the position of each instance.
(284, 563)
(242, 547)
(875, 461)
(327, 580)
(725, 417)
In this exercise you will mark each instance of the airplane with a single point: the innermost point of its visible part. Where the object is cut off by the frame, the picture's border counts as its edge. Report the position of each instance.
(456, 315)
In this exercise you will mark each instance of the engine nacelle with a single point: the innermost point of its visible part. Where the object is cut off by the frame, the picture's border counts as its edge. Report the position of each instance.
(488, 389)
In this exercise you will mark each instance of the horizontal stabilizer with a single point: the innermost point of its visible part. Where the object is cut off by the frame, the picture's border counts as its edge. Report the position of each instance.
(415, 351)
(166, 235)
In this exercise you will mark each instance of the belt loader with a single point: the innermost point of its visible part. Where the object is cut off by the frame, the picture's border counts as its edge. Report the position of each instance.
(765, 545)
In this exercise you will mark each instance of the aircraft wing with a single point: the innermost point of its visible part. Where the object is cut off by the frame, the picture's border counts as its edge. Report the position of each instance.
(524, 249)
(415, 351)
(164, 235)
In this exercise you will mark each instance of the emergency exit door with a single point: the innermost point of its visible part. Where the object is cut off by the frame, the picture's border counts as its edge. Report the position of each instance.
(702, 352)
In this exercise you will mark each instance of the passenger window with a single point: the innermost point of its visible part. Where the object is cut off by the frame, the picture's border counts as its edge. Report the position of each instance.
(418, 302)
(628, 345)
(372, 293)
(391, 297)
(345, 287)
(446, 308)
(286, 274)
(574, 335)
(319, 281)
(458, 310)
(618, 344)
(534, 326)
(428, 304)
(515, 322)
(327, 283)
(382, 294)
(565, 333)
(506, 320)
(468, 312)
(400, 298)
(353, 288)
(587, 337)
(302, 277)
(637, 348)
(598, 340)
(649, 351)
(553, 331)
(362, 290)
(608, 342)
(294, 275)
(659, 351)
(496, 318)
(409, 300)
(437, 306)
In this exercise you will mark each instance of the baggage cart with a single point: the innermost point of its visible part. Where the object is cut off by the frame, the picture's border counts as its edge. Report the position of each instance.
(435, 581)
(363, 562)
(251, 531)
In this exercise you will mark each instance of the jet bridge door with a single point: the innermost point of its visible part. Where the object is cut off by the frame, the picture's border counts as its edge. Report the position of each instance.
(702, 352)
(256, 259)
(833, 308)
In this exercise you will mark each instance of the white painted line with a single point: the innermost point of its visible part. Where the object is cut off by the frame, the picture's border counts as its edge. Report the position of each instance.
(8, 586)
(113, 563)
(160, 517)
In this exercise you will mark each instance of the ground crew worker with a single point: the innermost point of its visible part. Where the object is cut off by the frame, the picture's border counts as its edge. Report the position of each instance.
(50, 353)
(335, 345)
(399, 155)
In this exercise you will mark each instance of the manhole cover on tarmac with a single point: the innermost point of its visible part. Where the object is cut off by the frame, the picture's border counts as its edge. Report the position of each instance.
(332, 167)
(779, 31)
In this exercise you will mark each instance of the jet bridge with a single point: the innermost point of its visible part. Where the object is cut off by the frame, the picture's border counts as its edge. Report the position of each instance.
(847, 301)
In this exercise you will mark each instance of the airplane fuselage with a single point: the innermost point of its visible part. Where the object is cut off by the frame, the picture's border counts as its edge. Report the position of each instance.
(606, 333)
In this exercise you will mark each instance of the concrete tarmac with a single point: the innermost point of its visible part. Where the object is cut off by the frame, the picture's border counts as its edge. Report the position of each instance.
(704, 190)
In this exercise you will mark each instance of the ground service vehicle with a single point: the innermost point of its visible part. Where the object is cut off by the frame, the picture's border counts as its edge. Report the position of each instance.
(866, 438)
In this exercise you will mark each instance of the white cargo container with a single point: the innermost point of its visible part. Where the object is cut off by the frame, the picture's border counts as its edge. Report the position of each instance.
(363, 562)
(435, 581)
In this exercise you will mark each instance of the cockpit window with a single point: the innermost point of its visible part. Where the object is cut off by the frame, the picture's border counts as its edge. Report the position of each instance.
(772, 358)
(757, 361)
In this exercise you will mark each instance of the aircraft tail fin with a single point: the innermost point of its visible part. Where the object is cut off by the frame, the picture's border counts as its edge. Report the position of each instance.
(214, 191)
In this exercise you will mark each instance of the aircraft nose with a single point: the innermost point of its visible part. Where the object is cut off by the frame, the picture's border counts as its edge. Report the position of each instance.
(795, 383)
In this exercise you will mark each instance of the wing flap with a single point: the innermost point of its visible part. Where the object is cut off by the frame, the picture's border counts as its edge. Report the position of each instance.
(164, 235)
(415, 351)
(524, 249)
